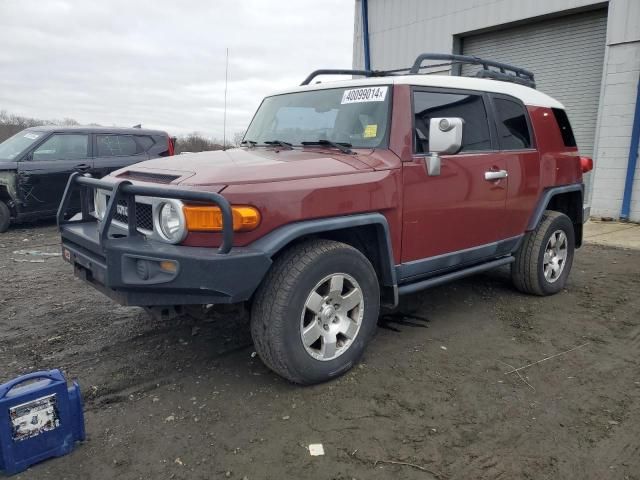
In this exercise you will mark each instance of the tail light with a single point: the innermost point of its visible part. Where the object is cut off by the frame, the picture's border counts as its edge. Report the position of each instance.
(171, 141)
(586, 164)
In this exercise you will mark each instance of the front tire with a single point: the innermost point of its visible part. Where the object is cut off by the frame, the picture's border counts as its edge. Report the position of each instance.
(544, 259)
(5, 217)
(315, 312)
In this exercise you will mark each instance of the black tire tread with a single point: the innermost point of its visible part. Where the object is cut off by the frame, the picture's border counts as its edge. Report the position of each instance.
(5, 217)
(524, 271)
(271, 301)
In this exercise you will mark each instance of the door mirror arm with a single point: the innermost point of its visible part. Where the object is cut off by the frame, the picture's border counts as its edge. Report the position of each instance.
(432, 163)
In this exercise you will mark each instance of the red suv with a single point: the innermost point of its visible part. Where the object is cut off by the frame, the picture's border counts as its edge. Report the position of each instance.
(344, 196)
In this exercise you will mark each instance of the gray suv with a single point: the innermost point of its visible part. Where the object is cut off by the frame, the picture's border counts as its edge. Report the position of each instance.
(36, 163)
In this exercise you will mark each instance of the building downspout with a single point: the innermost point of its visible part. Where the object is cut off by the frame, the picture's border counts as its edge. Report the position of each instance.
(365, 33)
(633, 160)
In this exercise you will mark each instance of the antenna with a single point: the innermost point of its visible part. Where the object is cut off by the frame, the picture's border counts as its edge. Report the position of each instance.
(224, 122)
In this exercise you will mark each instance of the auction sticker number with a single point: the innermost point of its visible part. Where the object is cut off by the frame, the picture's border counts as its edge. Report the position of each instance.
(366, 94)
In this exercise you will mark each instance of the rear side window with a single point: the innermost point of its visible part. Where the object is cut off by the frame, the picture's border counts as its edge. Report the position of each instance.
(116, 145)
(513, 130)
(428, 105)
(145, 142)
(565, 127)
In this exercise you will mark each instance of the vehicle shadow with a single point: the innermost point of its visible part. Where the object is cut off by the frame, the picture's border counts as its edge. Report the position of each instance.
(220, 347)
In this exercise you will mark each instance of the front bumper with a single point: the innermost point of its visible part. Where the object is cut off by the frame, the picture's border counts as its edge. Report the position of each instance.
(128, 267)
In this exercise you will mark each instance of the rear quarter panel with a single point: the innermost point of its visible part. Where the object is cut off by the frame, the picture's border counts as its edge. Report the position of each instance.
(531, 173)
(559, 165)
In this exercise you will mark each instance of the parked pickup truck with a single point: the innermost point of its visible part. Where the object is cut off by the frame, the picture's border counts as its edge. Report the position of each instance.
(35, 164)
(344, 196)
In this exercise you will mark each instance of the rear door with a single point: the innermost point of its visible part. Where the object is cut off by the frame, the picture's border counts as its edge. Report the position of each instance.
(456, 217)
(43, 174)
(114, 151)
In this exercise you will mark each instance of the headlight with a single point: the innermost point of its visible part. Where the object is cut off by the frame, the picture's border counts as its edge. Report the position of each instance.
(170, 221)
(99, 203)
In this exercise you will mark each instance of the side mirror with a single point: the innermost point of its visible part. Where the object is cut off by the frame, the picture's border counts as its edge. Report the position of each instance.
(445, 137)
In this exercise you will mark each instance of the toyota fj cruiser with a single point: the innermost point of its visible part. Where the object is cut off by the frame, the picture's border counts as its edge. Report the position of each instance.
(344, 196)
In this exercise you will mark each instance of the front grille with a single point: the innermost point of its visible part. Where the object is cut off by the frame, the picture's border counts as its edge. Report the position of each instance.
(148, 177)
(144, 214)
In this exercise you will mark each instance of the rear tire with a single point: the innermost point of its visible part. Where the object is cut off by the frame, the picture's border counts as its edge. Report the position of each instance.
(315, 311)
(5, 217)
(544, 259)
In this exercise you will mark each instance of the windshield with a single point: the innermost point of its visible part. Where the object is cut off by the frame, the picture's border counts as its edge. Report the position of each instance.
(12, 147)
(354, 116)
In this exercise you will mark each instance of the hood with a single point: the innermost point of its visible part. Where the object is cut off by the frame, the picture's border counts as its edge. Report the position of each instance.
(243, 165)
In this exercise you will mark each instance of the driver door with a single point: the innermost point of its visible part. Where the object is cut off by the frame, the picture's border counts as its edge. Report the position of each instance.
(43, 174)
(456, 217)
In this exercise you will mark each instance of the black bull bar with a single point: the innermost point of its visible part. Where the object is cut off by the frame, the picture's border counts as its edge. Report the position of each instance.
(124, 189)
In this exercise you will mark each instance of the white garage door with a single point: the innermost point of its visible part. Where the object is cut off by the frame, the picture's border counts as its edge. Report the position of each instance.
(566, 55)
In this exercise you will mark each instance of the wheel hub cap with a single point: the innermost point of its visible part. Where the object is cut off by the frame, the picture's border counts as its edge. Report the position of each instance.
(328, 312)
(332, 316)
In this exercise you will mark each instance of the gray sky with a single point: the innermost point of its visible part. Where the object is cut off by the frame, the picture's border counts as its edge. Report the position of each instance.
(161, 62)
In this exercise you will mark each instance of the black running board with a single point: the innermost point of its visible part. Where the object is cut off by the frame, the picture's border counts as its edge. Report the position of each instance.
(448, 277)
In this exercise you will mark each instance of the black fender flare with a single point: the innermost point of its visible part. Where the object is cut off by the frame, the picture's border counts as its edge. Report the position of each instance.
(279, 238)
(546, 197)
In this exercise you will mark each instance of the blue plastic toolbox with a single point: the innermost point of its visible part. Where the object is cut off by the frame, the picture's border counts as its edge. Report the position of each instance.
(38, 420)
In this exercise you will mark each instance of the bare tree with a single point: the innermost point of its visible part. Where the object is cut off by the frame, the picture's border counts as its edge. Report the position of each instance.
(237, 138)
(10, 124)
(195, 142)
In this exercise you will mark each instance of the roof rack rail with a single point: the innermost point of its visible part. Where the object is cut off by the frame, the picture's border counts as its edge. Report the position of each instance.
(505, 72)
(332, 71)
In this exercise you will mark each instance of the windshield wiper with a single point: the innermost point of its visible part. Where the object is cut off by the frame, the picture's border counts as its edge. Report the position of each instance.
(342, 146)
(249, 143)
(280, 143)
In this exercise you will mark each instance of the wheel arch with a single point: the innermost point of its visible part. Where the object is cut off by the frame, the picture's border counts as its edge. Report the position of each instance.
(369, 233)
(7, 198)
(567, 199)
(8, 187)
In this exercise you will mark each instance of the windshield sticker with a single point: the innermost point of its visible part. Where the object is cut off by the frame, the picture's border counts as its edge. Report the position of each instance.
(370, 131)
(31, 136)
(367, 94)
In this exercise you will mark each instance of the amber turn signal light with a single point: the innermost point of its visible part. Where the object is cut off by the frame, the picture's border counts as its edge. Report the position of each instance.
(169, 266)
(201, 218)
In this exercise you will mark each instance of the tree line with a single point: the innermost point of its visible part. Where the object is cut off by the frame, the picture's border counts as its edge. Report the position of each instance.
(10, 124)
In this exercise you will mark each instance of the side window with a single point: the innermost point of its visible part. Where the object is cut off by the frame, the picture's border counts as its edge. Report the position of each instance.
(145, 141)
(428, 105)
(511, 120)
(63, 147)
(116, 145)
(565, 127)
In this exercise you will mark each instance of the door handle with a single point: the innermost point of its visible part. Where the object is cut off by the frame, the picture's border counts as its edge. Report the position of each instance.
(83, 167)
(492, 175)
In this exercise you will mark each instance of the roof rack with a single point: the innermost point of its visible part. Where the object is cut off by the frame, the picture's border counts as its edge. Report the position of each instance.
(504, 72)
(331, 71)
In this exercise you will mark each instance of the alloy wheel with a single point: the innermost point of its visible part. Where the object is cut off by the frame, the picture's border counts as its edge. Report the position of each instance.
(332, 316)
(555, 256)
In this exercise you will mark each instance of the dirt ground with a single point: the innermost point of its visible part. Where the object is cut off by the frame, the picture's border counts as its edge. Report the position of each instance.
(186, 399)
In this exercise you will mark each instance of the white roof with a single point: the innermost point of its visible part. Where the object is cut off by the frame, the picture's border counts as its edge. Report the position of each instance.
(529, 96)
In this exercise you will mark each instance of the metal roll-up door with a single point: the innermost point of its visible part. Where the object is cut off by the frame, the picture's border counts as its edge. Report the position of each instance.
(566, 54)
